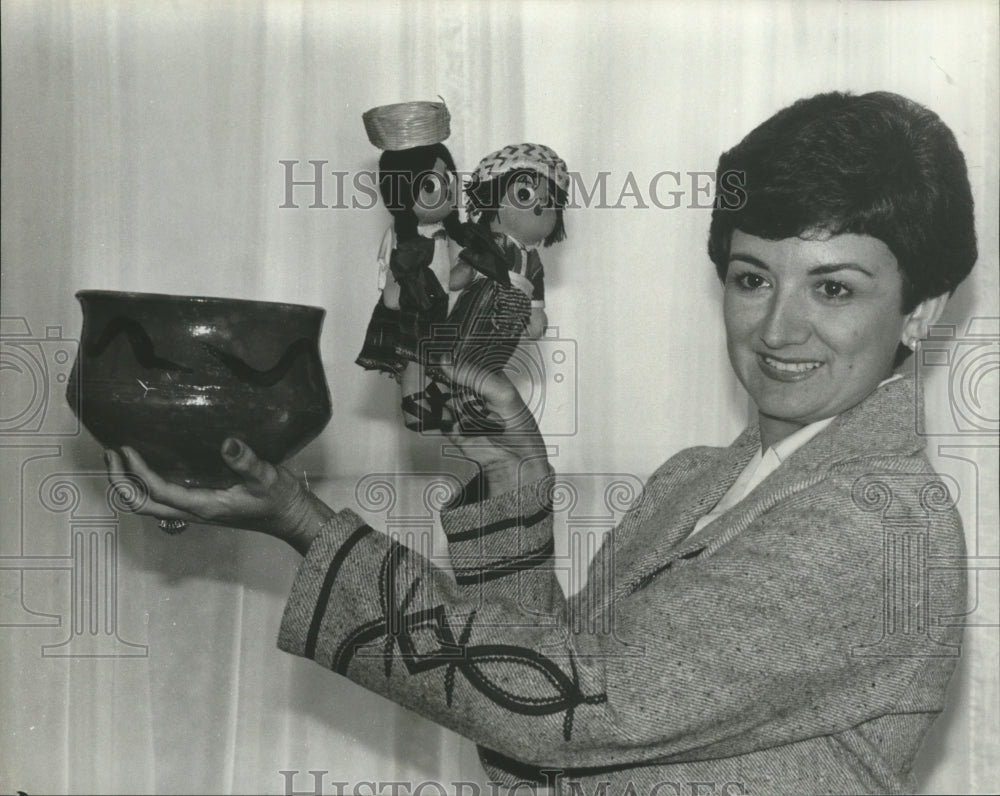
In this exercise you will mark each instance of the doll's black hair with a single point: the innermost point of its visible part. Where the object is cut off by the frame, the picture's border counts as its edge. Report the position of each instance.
(400, 174)
(488, 195)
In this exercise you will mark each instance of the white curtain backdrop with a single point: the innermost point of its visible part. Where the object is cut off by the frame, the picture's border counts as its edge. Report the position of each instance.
(142, 149)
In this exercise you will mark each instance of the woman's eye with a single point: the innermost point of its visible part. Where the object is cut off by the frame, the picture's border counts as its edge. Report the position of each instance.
(749, 280)
(834, 290)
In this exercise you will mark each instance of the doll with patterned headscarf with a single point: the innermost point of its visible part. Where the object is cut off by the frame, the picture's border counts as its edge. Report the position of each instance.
(419, 187)
(515, 200)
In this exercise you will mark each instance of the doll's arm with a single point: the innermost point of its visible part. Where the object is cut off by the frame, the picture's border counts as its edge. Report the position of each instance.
(386, 281)
(482, 254)
(462, 275)
(390, 293)
(408, 264)
(538, 320)
(536, 323)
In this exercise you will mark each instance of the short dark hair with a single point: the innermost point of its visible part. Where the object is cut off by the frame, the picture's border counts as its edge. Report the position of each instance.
(488, 195)
(877, 164)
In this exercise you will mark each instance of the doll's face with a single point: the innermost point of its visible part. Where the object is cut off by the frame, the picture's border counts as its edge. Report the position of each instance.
(436, 194)
(527, 211)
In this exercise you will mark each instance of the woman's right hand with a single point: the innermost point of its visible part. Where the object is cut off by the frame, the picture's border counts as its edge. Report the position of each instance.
(510, 458)
(267, 498)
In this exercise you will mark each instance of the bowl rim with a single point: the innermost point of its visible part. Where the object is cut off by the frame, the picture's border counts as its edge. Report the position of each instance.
(188, 299)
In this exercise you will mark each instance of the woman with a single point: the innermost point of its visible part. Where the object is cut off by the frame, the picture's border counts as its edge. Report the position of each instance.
(753, 591)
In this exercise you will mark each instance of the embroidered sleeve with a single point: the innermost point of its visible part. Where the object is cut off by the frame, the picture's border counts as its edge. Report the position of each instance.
(714, 651)
(503, 547)
(373, 610)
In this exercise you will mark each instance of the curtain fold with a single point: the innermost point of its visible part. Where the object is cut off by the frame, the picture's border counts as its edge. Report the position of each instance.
(147, 146)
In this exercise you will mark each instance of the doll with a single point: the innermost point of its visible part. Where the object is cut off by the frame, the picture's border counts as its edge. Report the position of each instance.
(418, 185)
(515, 201)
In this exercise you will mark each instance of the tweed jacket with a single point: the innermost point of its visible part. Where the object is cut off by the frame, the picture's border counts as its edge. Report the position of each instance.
(800, 643)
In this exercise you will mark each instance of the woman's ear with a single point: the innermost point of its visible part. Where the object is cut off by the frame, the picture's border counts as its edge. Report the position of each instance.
(923, 316)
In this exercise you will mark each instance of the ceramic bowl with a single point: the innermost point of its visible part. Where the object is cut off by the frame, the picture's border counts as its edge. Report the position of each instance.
(173, 376)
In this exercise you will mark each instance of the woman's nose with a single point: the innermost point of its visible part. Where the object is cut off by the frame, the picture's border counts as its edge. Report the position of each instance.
(785, 322)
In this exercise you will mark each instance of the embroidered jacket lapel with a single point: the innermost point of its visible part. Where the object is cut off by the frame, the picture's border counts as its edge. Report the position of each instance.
(877, 426)
(665, 525)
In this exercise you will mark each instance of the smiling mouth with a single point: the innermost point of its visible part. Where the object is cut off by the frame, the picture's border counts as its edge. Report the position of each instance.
(789, 366)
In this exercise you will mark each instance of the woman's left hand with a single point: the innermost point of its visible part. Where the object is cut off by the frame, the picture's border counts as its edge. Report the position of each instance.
(268, 499)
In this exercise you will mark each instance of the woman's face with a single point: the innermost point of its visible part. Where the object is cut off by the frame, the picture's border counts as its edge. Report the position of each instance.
(436, 194)
(812, 325)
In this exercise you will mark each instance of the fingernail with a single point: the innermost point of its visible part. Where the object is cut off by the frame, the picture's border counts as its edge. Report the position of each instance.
(231, 448)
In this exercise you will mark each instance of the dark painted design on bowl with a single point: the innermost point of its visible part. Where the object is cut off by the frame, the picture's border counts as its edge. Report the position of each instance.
(173, 376)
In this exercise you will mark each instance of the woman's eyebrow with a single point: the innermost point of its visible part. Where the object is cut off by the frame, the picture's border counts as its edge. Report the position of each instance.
(748, 258)
(816, 270)
(832, 268)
